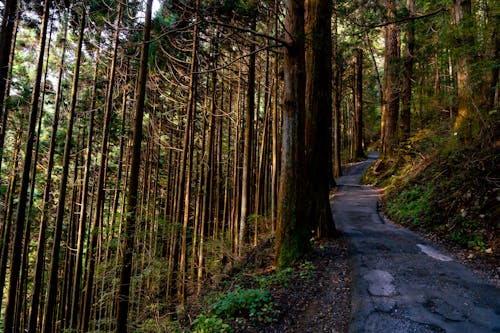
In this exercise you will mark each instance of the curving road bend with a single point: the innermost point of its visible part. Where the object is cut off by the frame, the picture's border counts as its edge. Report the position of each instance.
(401, 283)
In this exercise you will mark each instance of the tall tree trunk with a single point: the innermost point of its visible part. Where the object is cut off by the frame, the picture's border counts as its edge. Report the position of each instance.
(40, 253)
(9, 206)
(132, 192)
(318, 116)
(54, 264)
(358, 104)
(390, 104)
(187, 166)
(97, 218)
(293, 232)
(25, 180)
(6, 40)
(248, 136)
(82, 220)
(409, 59)
(337, 90)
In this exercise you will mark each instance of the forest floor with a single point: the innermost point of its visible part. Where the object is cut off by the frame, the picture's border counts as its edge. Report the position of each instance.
(376, 277)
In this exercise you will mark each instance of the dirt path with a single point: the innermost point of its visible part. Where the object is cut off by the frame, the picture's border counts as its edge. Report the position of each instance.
(401, 283)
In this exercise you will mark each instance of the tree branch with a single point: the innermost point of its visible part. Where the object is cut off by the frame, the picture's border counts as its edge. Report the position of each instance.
(402, 20)
(253, 32)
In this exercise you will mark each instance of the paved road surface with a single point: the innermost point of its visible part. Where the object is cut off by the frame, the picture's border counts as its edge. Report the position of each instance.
(401, 283)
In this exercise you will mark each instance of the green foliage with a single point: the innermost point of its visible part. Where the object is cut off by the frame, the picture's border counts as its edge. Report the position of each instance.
(254, 303)
(410, 205)
(306, 269)
(159, 325)
(280, 278)
(465, 235)
(210, 324)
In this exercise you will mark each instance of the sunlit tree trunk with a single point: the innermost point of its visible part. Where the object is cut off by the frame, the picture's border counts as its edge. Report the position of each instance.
(461, 16)
(184, 196)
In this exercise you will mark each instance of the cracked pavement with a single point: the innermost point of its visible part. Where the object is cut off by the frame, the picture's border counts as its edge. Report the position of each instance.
(401, 282)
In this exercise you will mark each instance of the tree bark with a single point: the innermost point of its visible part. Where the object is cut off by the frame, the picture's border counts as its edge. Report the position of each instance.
(358, 104)
(132, 192)
(50, 304)
(337, 91)
(6, 39)
(25, 180)
(318, 116)
(409, 59)
(248, 141)
(293, 232)
(390, 104)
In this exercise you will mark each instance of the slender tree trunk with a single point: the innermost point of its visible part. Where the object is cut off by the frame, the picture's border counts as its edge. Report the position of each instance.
(40, 256)
(132, 192)
(337, 90)
(82, 221)
(186, 166)
(248, 136)
(6, 40)
(390, 106)
(97, 219)
(25, 180)
(293, 232)
(9, 206)
(409, 57)
(50, 304)
(358, 104)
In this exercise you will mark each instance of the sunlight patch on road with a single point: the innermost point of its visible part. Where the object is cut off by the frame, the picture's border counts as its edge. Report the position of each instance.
(433, 253)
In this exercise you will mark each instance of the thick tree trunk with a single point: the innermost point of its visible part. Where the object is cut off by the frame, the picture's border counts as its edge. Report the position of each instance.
(318, 116)
(293, 232)
(132, 192)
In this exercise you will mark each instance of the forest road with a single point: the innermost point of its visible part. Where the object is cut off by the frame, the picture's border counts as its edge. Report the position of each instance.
(401, 283)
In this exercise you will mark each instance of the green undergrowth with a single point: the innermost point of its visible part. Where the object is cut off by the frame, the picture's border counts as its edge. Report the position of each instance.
(439, 185)
(244, 298)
